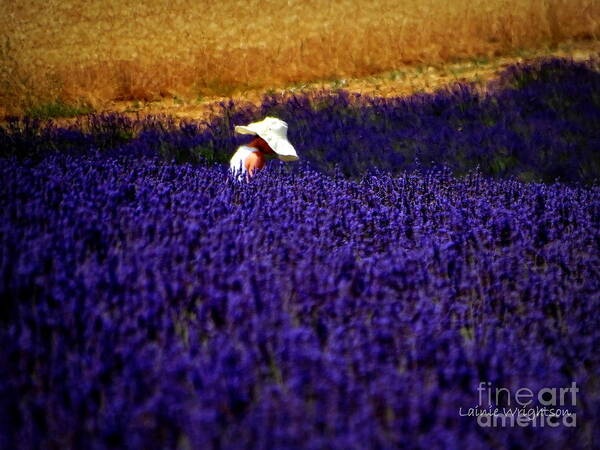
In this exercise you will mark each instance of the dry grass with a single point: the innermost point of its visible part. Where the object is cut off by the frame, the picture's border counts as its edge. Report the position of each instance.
(98, 50)
(405, 81)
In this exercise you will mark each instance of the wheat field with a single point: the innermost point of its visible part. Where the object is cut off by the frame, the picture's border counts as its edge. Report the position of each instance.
(95, 51)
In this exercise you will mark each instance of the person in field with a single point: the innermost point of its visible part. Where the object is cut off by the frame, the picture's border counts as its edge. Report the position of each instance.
(271, 140)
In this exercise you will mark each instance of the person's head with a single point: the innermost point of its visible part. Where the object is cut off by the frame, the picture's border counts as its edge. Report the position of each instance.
(262, 145)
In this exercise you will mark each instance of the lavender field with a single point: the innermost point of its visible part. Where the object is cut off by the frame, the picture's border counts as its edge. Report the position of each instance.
(358, 299)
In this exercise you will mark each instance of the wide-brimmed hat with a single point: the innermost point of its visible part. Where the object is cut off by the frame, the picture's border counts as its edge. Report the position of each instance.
(274, 131)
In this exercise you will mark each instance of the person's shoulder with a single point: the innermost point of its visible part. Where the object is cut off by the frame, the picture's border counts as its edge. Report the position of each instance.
(255, 160)
(255, 156)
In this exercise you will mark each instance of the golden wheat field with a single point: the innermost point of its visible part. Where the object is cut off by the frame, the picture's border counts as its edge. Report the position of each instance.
(95, 51)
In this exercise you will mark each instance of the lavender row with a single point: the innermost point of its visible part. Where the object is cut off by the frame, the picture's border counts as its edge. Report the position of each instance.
(539, 121)
(155, 305)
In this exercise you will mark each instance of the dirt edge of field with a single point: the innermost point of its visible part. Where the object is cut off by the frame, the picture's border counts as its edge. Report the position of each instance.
(401, 82)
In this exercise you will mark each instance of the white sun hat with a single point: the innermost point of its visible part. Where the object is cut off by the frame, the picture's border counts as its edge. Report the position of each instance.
(274, 131)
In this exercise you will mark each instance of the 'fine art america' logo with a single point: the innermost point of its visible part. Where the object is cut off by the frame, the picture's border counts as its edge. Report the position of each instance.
(548, 406)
